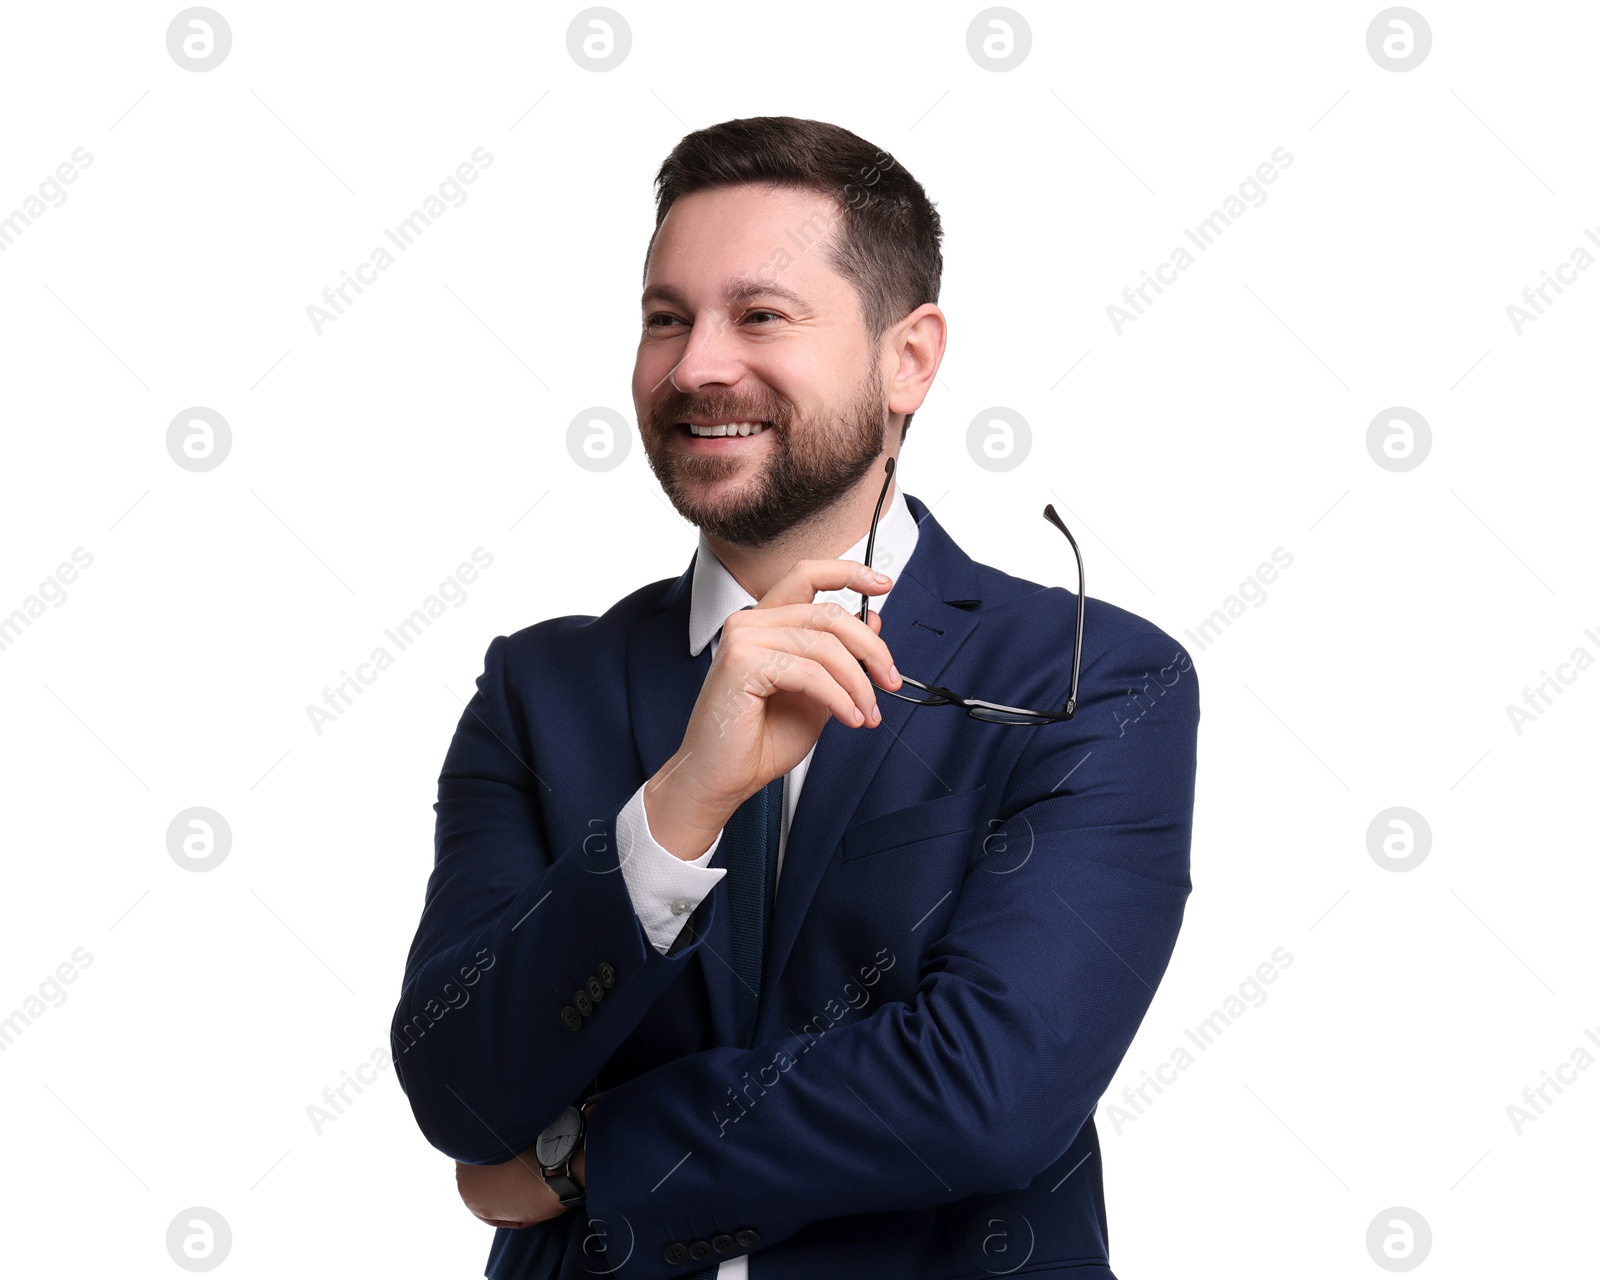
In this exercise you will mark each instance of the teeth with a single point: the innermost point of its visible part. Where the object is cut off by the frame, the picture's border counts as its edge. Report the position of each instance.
(729, 429)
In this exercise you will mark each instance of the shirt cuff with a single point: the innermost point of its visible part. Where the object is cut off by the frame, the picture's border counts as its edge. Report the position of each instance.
(665, 889)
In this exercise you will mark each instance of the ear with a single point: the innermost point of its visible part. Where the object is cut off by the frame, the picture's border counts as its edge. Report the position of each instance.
(915, 347)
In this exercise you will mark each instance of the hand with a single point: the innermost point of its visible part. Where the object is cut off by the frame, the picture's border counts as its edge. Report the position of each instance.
(782, 668)
(512, 1194)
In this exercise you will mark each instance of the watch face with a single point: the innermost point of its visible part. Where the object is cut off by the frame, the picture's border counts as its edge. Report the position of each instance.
(557, 1143)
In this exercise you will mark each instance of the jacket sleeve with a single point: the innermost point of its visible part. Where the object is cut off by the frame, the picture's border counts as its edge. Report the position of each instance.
(529, 966)
(1023, 1010)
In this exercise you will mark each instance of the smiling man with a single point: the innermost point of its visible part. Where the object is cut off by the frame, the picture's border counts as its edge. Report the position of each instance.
(772, 976)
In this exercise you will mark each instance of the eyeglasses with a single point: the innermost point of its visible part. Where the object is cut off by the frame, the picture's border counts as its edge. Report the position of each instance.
(977, 708)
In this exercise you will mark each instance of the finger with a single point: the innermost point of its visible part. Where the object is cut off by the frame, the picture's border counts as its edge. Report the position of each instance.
(860, 639)
(796, 674)
(807, 577)
(836, 645)
(890, 678)
(826, 648)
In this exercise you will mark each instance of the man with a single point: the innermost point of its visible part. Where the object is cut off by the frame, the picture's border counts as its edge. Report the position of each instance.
(732, 962)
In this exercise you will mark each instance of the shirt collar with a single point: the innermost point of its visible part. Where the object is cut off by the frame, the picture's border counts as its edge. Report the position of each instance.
(714, 593)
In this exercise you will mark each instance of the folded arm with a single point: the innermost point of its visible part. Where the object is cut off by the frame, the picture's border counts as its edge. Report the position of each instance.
(529, 966)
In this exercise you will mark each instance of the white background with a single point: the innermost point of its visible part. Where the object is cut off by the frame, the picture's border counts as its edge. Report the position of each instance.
(431, 418)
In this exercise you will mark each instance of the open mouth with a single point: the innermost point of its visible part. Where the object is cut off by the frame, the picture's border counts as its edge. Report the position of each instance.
(724, 435)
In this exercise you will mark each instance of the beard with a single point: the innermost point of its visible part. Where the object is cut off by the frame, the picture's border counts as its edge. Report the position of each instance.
(811, 463)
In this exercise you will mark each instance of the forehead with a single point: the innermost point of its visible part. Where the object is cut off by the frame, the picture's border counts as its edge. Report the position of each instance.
(730, 244)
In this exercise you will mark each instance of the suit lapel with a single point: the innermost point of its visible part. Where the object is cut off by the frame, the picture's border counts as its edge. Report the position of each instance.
(663, 679)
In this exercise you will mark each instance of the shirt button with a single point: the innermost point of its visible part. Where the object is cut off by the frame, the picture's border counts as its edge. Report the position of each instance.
(681, 906)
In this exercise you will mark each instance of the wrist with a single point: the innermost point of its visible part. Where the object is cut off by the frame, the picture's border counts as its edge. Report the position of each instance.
(680, 821)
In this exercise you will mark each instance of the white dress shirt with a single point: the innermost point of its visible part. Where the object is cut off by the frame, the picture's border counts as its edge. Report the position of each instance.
(665, 888)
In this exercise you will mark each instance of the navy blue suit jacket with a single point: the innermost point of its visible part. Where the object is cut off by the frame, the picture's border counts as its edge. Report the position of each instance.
(970, 924)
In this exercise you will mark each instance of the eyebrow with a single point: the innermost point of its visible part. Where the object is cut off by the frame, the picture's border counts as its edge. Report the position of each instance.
(739, 289)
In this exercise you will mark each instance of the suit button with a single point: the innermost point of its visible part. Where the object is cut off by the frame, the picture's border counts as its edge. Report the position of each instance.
(597, 993)
(674, 1253)
(570, 1018)
(581, 1001)
(748, 1238)
(700, 1250)
(606, 974)
(722, 1243)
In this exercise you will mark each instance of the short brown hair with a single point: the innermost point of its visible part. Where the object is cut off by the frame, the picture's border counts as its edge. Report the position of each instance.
(888, 248)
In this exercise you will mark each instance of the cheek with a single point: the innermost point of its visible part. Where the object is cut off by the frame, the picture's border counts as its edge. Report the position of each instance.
(651, 368)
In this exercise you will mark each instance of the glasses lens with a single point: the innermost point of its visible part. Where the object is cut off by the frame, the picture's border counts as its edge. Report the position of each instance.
(1004, 717)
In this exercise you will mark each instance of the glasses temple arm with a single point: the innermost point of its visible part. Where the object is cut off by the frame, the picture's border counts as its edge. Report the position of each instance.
(872, 533)
(1077, 643)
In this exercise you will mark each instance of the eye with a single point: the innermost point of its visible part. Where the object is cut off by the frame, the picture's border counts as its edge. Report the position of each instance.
(660, 319)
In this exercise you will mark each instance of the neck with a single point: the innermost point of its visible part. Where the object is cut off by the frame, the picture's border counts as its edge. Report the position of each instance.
(827, 536)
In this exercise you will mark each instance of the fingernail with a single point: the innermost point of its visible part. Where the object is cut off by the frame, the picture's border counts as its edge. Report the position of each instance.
(880, 578)
(877, 715)
(893, 674)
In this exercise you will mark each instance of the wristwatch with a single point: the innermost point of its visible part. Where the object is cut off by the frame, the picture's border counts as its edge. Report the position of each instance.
(557, 1146)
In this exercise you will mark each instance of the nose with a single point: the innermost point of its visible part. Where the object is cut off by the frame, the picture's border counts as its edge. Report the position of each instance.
(709, 357)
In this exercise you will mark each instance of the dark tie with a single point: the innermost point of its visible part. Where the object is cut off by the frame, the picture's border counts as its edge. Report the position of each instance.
(750, 837)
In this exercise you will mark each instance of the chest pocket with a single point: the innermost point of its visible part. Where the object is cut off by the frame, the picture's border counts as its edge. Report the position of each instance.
(950, 814)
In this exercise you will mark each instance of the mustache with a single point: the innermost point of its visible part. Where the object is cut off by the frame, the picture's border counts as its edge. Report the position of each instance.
(675, 411)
